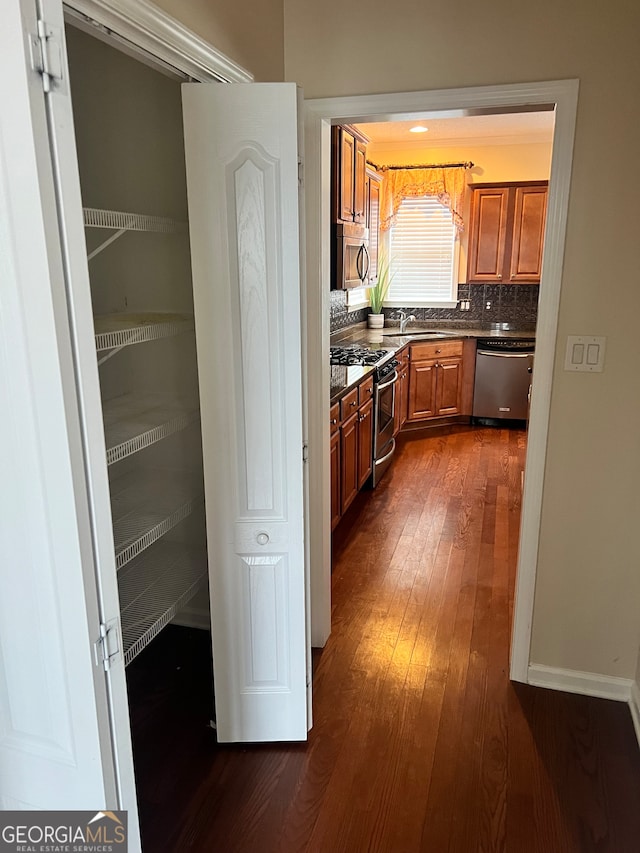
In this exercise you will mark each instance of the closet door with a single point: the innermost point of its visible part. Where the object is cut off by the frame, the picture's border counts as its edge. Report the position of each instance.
(55, 747)
(242, 184)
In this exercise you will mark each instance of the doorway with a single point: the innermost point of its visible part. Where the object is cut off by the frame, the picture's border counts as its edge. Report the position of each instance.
(562, 96)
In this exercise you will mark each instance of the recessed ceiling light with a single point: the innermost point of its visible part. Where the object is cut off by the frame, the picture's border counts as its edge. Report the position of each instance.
(419, 129)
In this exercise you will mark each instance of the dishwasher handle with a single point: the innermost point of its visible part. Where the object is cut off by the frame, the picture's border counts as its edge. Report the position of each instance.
(505, 354)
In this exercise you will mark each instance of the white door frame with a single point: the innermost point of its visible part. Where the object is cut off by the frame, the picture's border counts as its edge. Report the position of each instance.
(406, 106)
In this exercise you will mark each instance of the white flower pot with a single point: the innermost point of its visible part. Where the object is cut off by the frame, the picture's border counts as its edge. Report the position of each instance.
(375, 321)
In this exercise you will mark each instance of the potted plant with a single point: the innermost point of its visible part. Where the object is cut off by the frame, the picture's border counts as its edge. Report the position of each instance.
(378, 293)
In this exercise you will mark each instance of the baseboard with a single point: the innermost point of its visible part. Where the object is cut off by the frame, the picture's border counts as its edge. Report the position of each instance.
(585, 683)
(634, 705)
(193, 617)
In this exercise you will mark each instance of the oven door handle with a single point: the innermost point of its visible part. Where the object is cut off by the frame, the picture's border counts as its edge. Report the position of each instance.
(387, 455)
(391, 381)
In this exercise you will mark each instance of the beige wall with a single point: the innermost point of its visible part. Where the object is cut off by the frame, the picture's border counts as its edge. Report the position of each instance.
(587, 613)
(250, 33)
(522, 162)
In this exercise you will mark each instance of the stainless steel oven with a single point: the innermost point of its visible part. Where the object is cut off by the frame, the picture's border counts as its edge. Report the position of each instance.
(384, 444)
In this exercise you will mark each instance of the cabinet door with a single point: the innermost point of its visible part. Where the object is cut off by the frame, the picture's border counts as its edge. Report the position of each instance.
(334, 456)
(404, 393)
(359, 179)
(365, 443)
(347, 176)
(488, 234)
(528, 234)
(449, 386)
(349, 461)
(422, 390)
(373, 221)
(400, 411)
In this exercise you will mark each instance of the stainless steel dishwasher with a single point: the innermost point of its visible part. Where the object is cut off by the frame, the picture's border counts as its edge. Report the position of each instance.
(504, 370)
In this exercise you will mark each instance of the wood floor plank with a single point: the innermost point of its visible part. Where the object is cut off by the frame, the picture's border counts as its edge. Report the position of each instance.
(420, 743)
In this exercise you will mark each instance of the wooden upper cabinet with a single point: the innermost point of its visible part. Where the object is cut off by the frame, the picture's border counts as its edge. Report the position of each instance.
(349, 165)
(359, 178)
(488, 234)
(372, 192)
(530, 216)
(346, 174)
(507, 233)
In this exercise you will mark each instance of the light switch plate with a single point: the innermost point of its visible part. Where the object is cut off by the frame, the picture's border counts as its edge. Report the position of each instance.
(585, 352)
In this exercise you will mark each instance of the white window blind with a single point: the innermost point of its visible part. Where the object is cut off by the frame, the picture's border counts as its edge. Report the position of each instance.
(423, 250)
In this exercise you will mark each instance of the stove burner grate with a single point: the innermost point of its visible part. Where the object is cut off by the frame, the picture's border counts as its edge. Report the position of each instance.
(356, 355)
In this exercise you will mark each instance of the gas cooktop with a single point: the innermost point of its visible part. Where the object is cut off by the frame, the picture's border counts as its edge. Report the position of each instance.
(358, 355)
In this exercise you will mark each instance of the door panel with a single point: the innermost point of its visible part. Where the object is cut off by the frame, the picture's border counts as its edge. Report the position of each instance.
(449, 386)
(55, 749)
(242, 177)
(422, 389)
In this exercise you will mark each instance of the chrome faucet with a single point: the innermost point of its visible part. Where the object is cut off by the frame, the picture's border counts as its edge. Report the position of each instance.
(404, 319)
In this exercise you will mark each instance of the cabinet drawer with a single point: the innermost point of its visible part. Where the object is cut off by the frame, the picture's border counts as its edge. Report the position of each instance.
(435, 349)
(348, 404)
(334, 417)
(365, 391)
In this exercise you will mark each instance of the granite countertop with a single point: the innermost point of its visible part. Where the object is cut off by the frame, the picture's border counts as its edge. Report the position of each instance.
(390, 338)
(345, 378)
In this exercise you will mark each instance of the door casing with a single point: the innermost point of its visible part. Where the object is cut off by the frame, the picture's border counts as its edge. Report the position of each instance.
(403, 106)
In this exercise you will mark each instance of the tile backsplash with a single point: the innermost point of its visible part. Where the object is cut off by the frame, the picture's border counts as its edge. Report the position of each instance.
(489, 303)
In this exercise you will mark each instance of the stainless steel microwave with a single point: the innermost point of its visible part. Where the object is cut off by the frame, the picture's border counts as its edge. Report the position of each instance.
(352, 256)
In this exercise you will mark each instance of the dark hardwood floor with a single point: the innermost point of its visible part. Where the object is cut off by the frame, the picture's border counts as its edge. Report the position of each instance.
(420, 742)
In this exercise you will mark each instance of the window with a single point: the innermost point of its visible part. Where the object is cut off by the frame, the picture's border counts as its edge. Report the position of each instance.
(423, 246)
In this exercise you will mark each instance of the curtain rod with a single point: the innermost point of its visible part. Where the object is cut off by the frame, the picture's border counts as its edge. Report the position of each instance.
(466, 165)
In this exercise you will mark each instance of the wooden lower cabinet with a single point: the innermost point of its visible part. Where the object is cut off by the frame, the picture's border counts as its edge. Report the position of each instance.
(334, 455)
(435, 380)
(349, 480)
(365, 443)
(351, 447)
(402, 391)
(448, 386)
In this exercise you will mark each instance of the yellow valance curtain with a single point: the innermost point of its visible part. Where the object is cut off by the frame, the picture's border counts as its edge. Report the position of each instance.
(447, 184)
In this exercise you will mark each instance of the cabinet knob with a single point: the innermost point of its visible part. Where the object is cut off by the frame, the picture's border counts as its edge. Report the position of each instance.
(333, 421)
(499, 275)
(262, 538)
(438, 351)
(353, 403)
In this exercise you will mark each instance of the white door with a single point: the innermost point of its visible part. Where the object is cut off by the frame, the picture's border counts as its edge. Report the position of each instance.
(242, 183)
(55, 749)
